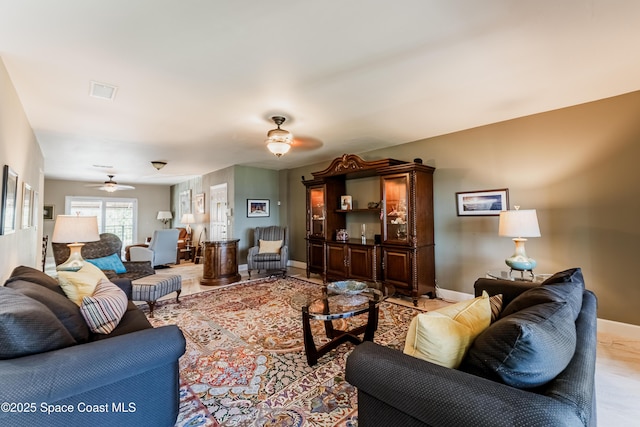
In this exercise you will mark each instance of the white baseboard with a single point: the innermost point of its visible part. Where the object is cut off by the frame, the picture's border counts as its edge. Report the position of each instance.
(454, 296)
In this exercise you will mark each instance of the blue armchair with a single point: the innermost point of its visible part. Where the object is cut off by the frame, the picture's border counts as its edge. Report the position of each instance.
(163, 248)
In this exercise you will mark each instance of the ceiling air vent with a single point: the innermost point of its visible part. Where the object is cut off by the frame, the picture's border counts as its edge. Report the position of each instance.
(103, 91)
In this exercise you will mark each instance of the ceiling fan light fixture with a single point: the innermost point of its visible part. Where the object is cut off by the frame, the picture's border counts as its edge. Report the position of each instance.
(158, 164)
(279, 140)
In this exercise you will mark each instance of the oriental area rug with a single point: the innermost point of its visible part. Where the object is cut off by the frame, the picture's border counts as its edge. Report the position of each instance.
(245, 363)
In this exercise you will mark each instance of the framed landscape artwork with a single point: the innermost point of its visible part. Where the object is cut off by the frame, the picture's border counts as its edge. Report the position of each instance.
(257, 208)
(482, 203)
(9, 199)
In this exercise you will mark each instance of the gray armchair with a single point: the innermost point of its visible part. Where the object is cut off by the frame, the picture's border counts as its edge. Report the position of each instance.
(162, 249)
(272, 256)
(108, 244)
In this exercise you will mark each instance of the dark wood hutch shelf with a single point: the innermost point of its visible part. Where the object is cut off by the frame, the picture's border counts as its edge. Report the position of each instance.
(405, 255)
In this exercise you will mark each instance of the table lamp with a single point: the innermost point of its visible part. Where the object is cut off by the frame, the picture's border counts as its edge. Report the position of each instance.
(188, 219)
(165, 216)
(519, 224)
(74, 230)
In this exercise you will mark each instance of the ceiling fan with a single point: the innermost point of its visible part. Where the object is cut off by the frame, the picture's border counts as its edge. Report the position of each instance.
(110, 186)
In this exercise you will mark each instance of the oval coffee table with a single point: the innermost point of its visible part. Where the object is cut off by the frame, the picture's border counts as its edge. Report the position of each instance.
(332, 306)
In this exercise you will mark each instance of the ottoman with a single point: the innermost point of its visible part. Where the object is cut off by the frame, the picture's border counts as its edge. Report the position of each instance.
(150, 288)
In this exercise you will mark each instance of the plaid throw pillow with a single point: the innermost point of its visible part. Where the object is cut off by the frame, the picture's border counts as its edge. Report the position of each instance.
(496, 306)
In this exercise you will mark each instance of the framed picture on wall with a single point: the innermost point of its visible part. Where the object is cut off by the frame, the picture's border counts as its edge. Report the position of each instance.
(185, 202)
(27, 205)
(200, 203)
(9, 200)
(257, 208)
(48, 212)
(482, 203)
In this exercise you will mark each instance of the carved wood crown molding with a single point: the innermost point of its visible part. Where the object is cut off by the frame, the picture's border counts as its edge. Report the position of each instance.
(351, 163)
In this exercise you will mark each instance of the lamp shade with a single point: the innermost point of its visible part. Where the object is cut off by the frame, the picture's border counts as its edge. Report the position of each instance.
(164, 215)
(187, 219)
(75, 229)
(519, 223)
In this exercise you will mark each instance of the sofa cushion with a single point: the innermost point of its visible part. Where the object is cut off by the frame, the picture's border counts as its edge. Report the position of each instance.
(443, 336)
(104, 309)
(527, 348)
(567, 286)
(111, 262)
(65, 311)
(79, 284)
(269, 246)
(32, 275)
(28, 327)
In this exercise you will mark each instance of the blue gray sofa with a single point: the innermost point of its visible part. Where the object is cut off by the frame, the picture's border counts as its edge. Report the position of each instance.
(56, 372)
(534, 366)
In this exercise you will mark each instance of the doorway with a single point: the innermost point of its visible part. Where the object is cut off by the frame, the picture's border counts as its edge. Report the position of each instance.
(219, 219)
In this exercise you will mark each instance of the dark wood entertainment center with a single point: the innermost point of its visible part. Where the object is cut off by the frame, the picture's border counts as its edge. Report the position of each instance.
(399, 213)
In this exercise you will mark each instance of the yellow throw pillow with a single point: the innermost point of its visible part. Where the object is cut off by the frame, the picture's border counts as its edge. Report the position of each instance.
(82, 283)
(269, 246)
(443, 336)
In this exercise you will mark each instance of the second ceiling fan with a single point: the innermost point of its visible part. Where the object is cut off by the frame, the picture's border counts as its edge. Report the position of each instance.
(111, 186)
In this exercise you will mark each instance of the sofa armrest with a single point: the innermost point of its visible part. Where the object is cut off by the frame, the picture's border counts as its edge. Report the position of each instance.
(141, 267)
(439, 396)
(138, 253)
(508, 288)
(60, 374)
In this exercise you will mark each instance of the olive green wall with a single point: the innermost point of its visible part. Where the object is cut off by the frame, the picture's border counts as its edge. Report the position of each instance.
(577, 166)
(20, 150)
(243, 183)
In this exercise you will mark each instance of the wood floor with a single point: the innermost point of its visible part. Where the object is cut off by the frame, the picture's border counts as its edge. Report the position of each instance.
(617, 364)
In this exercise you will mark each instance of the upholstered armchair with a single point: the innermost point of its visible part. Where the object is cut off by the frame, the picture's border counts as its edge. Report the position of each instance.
(162, 248)
(269, 251)
(108, 246)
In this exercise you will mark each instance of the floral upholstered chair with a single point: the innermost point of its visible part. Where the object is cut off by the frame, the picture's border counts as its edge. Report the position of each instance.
(270, 250)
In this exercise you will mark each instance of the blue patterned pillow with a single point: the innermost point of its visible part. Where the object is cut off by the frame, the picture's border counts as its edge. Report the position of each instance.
(111, 262)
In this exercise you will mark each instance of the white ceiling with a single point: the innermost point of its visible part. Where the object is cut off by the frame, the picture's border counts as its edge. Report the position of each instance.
(198, 79)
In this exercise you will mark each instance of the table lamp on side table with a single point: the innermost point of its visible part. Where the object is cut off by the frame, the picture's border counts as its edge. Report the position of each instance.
(188, 219)
(74, 230)
(519, 224)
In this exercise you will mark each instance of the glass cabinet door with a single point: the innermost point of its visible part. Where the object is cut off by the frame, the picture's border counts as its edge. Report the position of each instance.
(317, 211)
(395, 195)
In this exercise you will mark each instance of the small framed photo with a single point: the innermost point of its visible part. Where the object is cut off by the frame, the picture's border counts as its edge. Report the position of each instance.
(346, 203)
(48, 212)
(200, 203)
(482, 203)
(257, 208)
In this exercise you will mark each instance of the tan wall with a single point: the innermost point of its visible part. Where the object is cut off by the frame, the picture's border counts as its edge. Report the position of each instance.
(577, 166)
(151, 199)
(20, 150)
